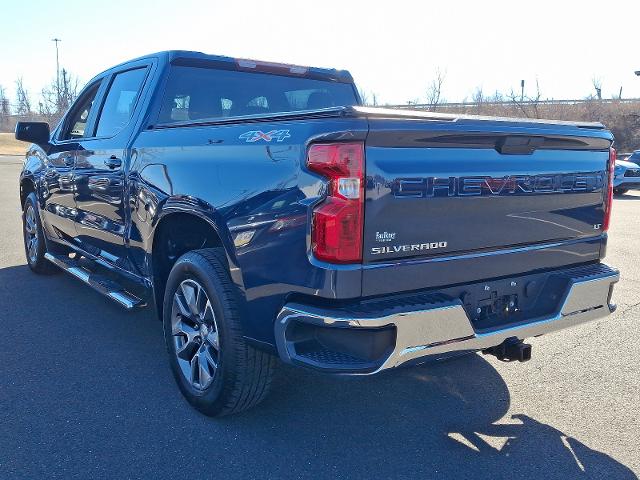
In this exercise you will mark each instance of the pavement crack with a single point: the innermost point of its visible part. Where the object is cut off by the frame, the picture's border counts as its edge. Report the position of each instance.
(624, 310)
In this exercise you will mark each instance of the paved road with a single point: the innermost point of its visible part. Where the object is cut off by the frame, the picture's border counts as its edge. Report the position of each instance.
(86, 392)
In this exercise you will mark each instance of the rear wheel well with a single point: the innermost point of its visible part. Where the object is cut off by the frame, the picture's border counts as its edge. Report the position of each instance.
(175, 235)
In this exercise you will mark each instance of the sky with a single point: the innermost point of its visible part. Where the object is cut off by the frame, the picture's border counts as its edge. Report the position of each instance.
(392, 49)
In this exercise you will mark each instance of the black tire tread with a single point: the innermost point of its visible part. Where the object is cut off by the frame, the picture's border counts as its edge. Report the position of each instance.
(42, 266)
(254, 371)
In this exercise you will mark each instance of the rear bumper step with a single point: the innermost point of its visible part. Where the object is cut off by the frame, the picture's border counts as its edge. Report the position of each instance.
(99, 283)
(362, 341)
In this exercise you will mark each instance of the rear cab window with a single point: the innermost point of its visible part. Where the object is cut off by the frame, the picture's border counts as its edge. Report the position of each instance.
(196, 93)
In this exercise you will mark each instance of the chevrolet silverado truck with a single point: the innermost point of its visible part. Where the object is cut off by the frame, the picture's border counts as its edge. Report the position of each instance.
(264, 213)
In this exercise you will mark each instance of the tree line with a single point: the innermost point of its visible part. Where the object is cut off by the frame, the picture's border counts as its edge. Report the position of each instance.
(54, 99)
(621, 117)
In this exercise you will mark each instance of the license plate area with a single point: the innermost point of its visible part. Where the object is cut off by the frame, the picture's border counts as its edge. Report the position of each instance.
(501, 302)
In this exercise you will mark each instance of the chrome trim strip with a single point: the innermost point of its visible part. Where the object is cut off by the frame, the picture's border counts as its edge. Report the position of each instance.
(108, 256)
(480, 254)
(446, 328)
(103, 263)
(123, 299)
(79, 273)
(249, 226)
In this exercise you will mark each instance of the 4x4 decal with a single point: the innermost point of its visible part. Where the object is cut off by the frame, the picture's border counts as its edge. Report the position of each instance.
(255, 135)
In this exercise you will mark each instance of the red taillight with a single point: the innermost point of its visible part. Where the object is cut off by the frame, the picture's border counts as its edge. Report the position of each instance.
(609, 198)
(336, 232)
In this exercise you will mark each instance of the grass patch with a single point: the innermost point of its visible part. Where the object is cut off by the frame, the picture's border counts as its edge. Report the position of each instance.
(10, 146)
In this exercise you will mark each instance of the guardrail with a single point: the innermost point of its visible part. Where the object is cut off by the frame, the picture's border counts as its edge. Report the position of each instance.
(518, 102)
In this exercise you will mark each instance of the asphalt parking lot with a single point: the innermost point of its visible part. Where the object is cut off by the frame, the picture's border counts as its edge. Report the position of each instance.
(86, 392)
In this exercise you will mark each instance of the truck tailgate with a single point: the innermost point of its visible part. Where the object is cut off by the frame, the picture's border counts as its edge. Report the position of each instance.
(436, 190)
(460, 199)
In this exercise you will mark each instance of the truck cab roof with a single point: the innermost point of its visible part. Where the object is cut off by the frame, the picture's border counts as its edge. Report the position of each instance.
(187, 57)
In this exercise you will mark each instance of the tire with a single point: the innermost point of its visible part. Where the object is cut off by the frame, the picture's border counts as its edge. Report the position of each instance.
(204, 337)
(35, 245)
(620, 191)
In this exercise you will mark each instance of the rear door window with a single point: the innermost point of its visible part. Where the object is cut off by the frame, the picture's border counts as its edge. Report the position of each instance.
(120, 101)
(194, 93)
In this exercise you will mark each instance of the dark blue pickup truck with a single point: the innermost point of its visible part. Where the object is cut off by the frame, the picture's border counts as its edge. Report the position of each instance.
(263, 212)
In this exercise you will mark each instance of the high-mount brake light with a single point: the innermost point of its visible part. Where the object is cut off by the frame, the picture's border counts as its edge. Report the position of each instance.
(270, 67)
(338, 221)
(609, 198)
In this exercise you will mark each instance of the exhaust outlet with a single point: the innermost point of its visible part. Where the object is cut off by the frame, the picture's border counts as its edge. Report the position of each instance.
(509, 350)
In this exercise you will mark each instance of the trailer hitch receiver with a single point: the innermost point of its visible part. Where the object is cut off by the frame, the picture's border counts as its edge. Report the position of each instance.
(509, 350)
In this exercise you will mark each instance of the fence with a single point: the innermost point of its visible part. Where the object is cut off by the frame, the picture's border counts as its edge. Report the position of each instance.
(510, 103)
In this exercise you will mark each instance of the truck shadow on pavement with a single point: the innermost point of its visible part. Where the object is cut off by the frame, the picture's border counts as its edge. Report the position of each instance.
(93, 393)
(432, 420)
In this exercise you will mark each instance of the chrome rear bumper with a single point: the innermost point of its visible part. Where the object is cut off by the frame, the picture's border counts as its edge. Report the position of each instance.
(443, 328)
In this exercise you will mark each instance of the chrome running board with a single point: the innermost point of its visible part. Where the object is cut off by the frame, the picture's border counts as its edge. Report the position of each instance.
(99, 283)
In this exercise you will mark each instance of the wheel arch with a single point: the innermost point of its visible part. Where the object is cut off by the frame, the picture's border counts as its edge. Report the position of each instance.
(177, 231)
(27, 186)
(34, 167)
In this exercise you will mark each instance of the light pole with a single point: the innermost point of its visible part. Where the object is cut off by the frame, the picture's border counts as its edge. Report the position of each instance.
(57, 40)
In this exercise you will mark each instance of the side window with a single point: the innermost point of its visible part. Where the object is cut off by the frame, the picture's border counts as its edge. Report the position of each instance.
(118, 106)
(75, 126)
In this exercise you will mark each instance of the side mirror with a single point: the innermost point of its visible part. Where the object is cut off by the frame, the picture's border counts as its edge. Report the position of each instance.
(34, 132)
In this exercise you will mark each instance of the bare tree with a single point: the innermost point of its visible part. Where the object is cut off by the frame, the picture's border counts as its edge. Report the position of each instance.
(523, 101)
(535, 101)
(58, 96)
(619, 96)
(497, 97)
(597, 86)
(67, 91)
(369, 99)
(48, 104)
(478, 96)
(5, 111)
(364, 97)
(434, 90)
(23, 101)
